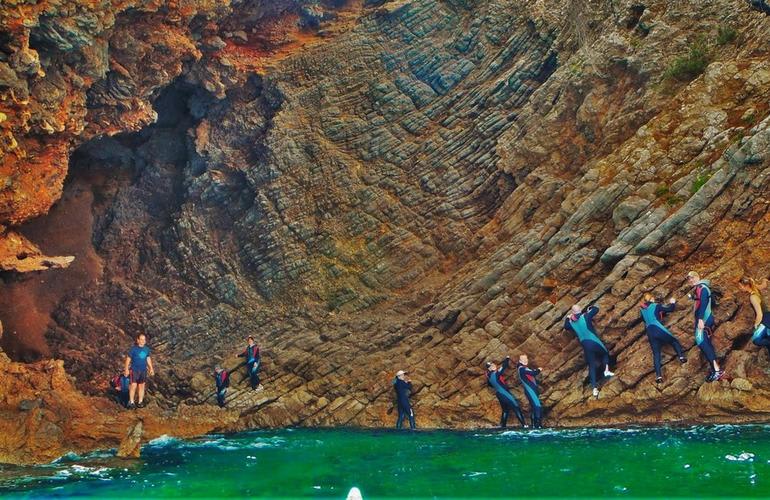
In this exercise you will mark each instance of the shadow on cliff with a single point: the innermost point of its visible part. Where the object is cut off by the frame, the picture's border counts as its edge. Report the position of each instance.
(76, 225)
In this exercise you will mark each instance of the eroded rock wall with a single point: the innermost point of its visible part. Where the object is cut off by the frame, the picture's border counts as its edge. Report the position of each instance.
(426, 185)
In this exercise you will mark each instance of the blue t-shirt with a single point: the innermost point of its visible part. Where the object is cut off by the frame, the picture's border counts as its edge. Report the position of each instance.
(139, 357)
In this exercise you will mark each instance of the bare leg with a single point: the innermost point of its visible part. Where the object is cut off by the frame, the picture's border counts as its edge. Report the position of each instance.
(131, 392)
(141, 393)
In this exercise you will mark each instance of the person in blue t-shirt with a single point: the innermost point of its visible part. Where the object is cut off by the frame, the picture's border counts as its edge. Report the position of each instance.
(138, 366)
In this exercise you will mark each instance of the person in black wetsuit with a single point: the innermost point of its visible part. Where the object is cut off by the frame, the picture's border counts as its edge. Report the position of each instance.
(528, 379)
(581, 324)
(760, 5)
(761, 332)
(704, 323)
(507, 402)
(658, 335)
(222, 381)
(253, 362)
(403, 388)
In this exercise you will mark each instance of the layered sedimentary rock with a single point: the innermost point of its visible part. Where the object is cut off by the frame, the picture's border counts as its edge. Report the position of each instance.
(425, 185)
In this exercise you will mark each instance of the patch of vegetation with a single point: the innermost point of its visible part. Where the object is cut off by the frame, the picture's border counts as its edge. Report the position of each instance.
(726, 34)
(686, 68)
(661, 191)
(674, 200)
(750, 119)
(700, 180)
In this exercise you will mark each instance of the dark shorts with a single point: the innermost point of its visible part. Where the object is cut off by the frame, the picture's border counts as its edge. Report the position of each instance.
(138, 377)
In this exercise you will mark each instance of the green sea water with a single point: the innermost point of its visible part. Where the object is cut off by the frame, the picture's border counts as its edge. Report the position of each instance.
(310, 463)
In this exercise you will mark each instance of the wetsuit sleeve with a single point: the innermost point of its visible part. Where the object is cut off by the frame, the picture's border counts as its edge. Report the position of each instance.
(568, 325)
(591, 312)
(667, 308)
(242, 355)
(504, 365)
(703, 303)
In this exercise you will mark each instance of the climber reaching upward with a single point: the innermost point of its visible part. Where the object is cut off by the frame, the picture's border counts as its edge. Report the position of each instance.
(528, 378)
(704, 323)
(658, 335)
(580, 323)
(507, 402)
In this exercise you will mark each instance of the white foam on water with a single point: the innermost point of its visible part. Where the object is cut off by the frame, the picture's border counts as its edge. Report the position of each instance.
(742, 457)
(163, 440)
(70, 455)
(354, 494)
(474, 474)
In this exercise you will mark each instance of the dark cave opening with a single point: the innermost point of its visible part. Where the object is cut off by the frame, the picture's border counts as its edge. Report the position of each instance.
(101, 173)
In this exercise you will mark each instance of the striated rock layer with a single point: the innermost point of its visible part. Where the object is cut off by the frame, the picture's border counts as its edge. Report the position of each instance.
(373, 186)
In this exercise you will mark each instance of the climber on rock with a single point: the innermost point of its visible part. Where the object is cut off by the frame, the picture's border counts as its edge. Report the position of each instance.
(704, 323)
(761, 330)
(760, 5)
(580, 323)
(121, 384)
(403, 387)
(658, 335)
(222, 381)
(507, 402)
(528, 379)
(138, 366)
(253, 362)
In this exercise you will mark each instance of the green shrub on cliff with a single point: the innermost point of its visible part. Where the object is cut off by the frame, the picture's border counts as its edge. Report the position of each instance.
(700, 180)
(726, 35)
(686, 68)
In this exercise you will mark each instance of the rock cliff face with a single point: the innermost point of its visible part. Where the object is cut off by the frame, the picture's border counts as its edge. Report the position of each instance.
(373, 186)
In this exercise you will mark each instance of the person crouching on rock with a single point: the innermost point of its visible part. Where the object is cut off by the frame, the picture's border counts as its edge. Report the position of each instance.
(138, 366)
(581, 324)
(253, 361)
(403, 387)
(761, 333)
(704, 323)
(222, 380)
(658, 335)
(528, 379)
(121, 384)
(507, 402)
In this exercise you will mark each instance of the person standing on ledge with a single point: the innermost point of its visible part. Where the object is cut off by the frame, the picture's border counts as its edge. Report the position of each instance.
(528, 379)
(704, 323)
(581, 324)
(761, 331)
(253, 361)
(222, 380)
(403, 387)
(138, 366)
(507, 402)
(658, 335)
